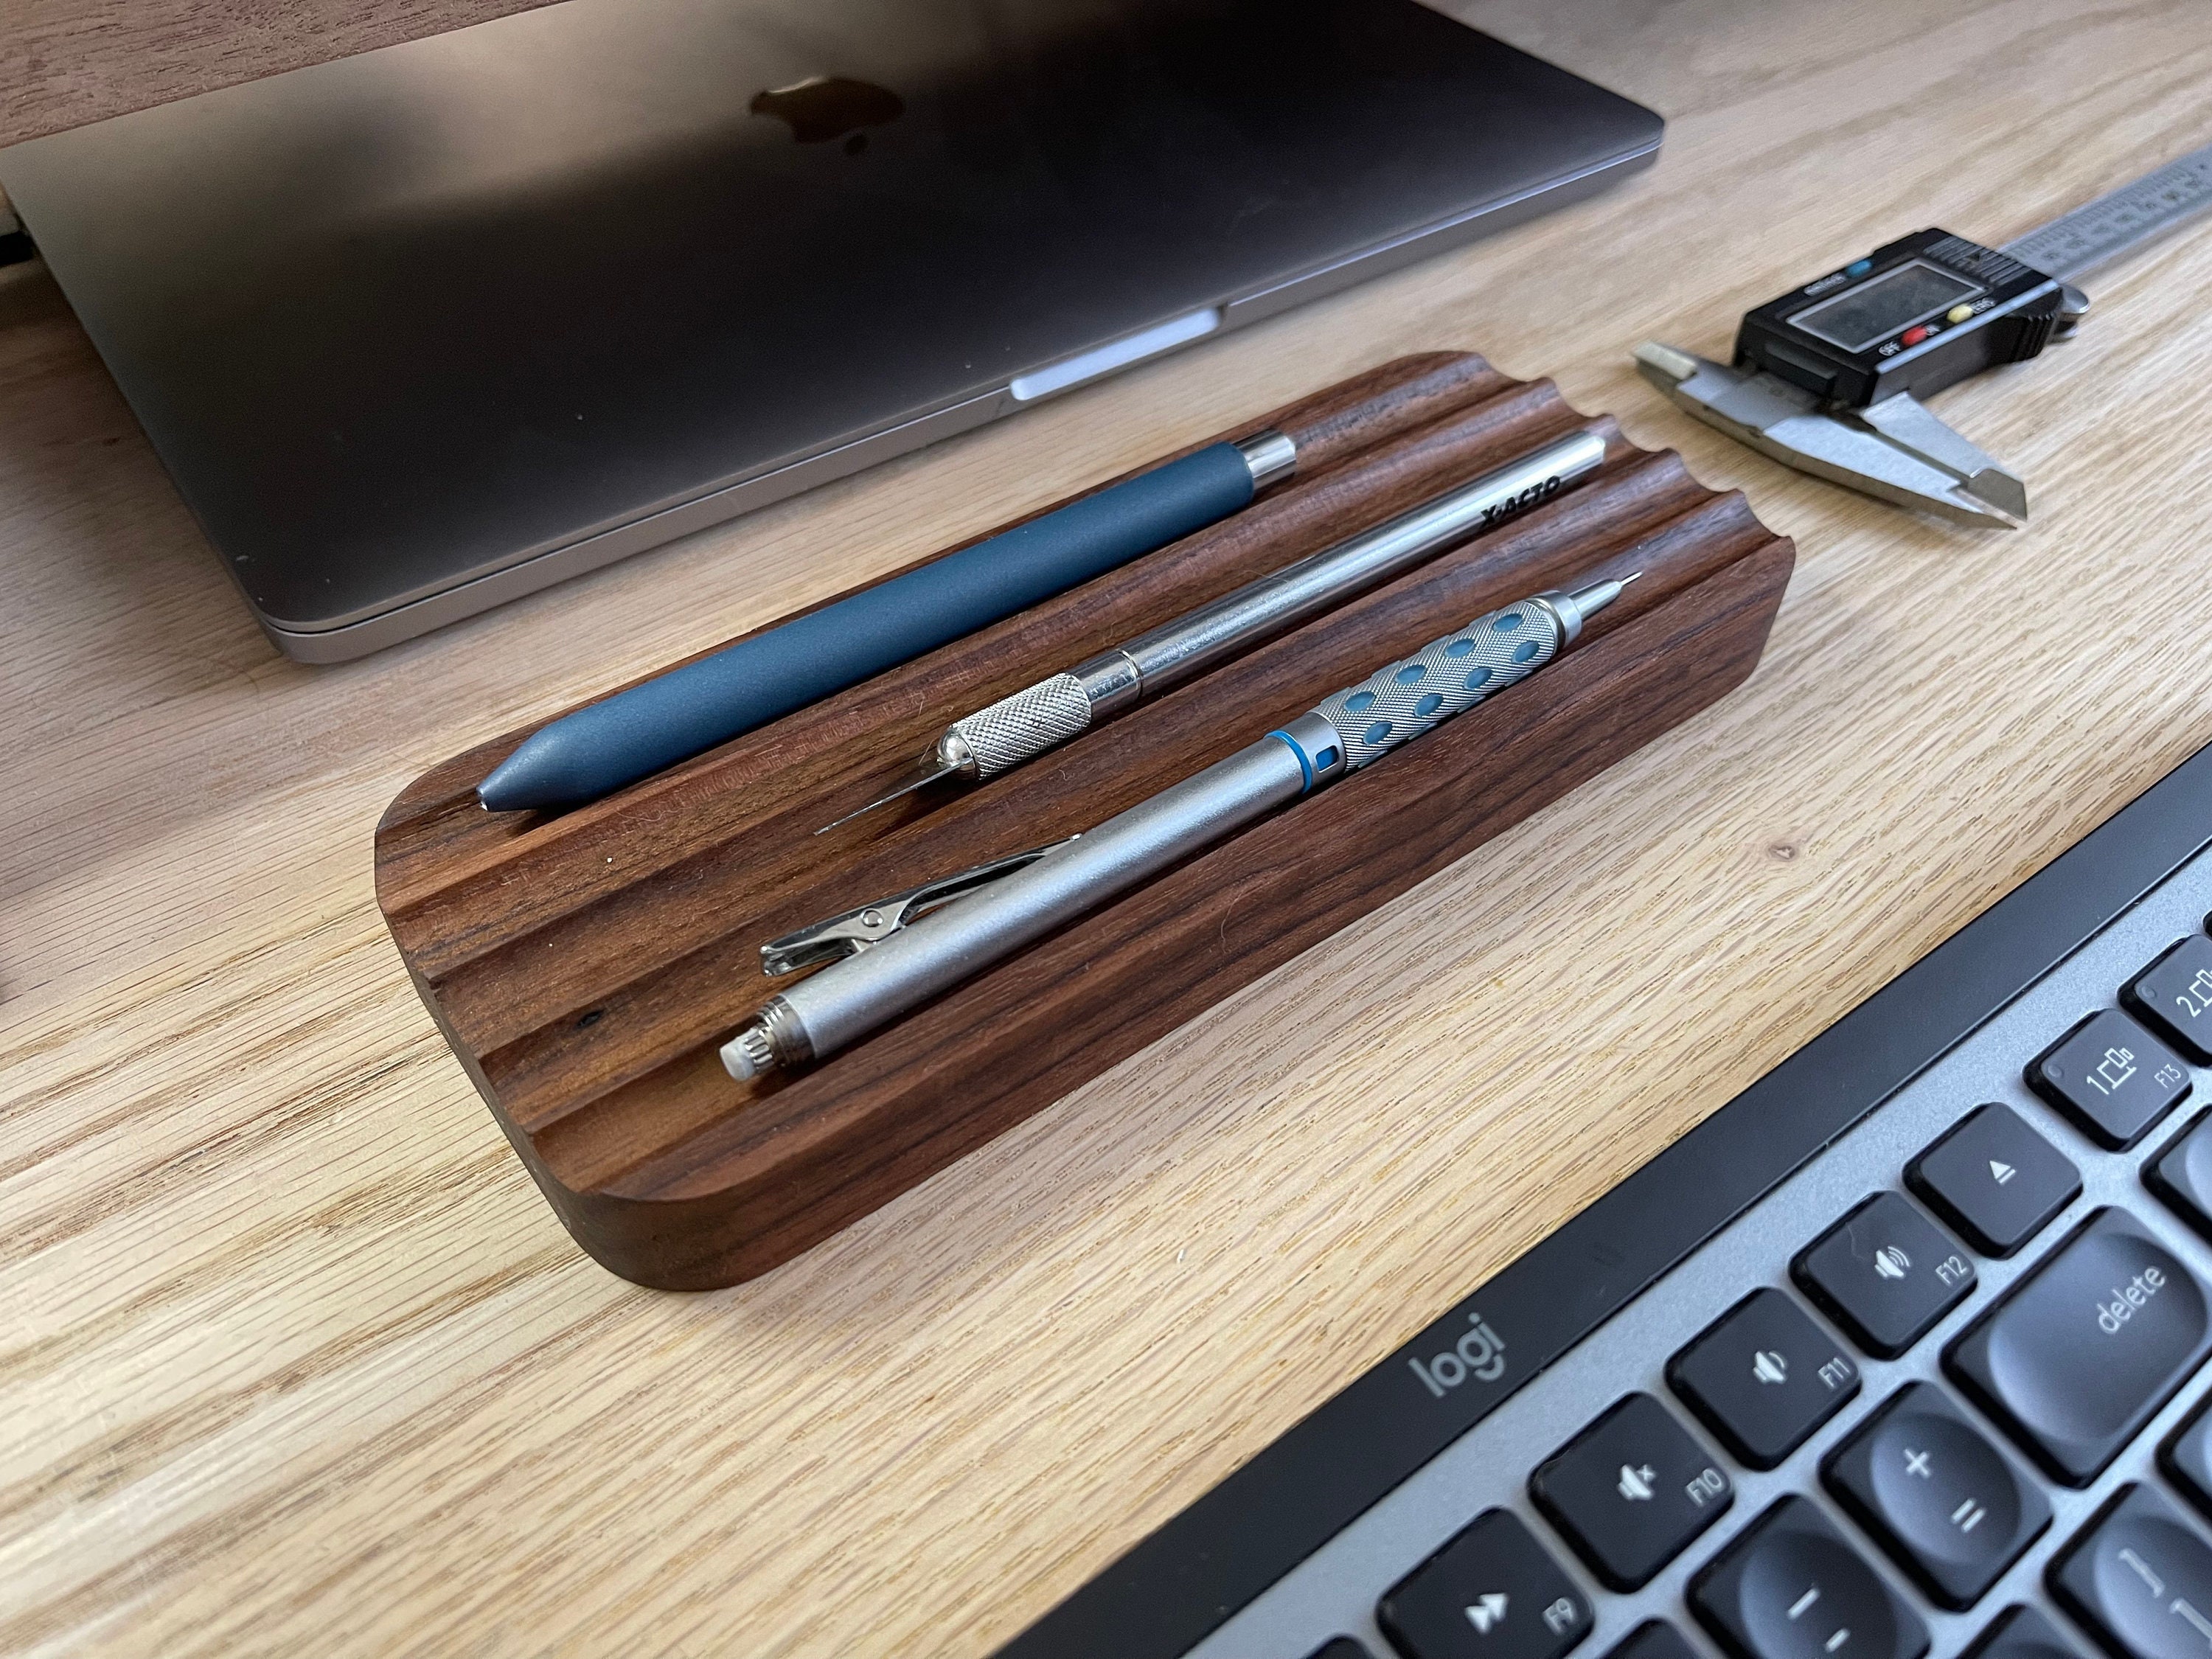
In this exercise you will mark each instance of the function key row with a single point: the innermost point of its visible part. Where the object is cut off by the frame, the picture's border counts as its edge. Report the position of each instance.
(1947, 1504)
(2072, 1362)
(2174, 996)
(2113, 1075)
(1763, 1377)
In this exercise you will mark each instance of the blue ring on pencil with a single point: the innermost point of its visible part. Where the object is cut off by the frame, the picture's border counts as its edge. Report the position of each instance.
(1305, 766)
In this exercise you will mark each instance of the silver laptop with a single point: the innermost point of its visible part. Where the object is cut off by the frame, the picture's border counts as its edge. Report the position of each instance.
(426, 329)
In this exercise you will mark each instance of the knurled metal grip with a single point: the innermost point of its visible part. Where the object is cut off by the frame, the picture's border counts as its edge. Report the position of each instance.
(1023, 727)
(1459, 671)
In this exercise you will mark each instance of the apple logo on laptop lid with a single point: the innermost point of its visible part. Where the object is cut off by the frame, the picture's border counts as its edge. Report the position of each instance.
(823, 107)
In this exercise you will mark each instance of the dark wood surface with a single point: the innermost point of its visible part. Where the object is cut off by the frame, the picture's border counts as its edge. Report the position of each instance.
(585, 966)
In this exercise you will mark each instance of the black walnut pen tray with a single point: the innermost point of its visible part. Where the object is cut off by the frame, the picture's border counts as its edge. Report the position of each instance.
(585, 966)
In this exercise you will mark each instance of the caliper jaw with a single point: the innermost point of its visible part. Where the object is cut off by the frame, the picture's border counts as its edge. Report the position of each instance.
(1896, 450)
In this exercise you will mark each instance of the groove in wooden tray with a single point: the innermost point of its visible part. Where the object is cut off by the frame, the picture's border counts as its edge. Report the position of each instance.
(585, 997)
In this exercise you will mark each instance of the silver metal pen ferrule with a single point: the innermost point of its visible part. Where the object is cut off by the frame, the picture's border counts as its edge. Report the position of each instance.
(1270, 456)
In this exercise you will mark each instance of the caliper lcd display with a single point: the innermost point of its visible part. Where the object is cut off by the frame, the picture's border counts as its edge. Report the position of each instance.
(1877, 309)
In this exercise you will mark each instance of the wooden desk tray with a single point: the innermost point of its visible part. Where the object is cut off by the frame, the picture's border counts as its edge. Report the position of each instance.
(585, 966)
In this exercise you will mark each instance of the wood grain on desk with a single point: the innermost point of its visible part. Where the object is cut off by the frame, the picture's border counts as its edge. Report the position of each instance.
(294, 1360)
(64, 62)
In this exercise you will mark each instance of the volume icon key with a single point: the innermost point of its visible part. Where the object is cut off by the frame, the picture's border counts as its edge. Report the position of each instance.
(1768, 1366)
(1635, 1482)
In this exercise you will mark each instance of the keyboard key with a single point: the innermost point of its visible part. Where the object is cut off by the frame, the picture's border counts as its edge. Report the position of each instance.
(1995, 1180)
(1885, 1273)
(1949, 1506)
(2086, 1348)
(2173, 997)
(2114, 1080)
(2181, 1175)
(1631, 1491)
(2141, 1577)
(2022, 1632)
(2186, 1457)
(1491, 1593)
(1763, 1377)
(1791, 1588)
(1655, 1638)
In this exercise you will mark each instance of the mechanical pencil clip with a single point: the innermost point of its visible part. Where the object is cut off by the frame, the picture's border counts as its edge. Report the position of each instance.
(673, 716)
(897, 957)
(1041, 717)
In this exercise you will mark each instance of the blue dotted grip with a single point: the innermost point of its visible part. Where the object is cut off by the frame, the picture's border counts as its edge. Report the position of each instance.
(1398, 703)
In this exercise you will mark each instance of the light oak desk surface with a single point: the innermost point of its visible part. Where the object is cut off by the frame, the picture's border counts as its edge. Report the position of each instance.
(295, 1361)
(64, 62)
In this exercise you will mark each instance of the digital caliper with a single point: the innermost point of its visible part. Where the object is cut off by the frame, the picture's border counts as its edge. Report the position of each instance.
(1829, 377)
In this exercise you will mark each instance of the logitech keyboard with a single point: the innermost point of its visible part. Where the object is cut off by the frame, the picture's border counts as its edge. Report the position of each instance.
(1902, 1352)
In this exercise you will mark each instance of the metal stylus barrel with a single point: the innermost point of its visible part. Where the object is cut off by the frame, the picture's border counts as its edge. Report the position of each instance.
(1020, 727)
(849, 998)
(1041, 717)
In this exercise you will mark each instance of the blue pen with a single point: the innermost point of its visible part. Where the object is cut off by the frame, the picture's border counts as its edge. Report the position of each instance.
(676, 716)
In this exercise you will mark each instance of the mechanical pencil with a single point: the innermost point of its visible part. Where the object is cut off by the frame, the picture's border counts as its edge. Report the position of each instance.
(895, 964)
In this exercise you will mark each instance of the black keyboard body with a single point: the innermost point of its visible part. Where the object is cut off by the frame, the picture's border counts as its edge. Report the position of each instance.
(1900, 1352)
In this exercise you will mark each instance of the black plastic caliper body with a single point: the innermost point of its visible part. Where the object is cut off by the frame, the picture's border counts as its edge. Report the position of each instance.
(1917, 315)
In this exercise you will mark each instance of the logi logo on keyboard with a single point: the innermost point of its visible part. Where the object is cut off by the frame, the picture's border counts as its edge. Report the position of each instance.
(1479, 1354)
